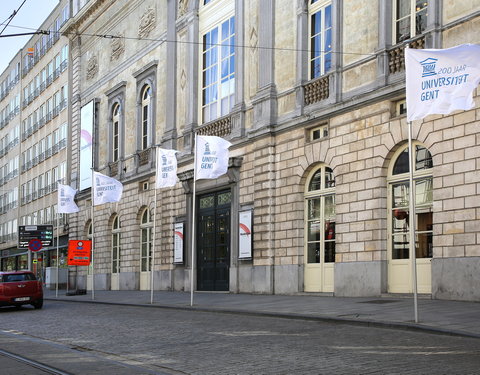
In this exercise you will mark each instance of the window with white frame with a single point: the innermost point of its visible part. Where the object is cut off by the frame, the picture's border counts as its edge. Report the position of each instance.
(399, 192)
(410, 19)
(217, 60)
(320, 219)
(116, 132)
(116, 230)
(320, 37)
(146, 228)
(146, 117)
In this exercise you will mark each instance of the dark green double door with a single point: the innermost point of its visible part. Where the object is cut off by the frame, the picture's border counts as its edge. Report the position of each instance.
(213, 241)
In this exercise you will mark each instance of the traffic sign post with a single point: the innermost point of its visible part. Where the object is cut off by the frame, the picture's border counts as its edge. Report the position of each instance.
(42, 233)
(35, 245)
(79, 253)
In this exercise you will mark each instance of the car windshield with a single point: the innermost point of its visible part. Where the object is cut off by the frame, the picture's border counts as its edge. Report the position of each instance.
(17, 277)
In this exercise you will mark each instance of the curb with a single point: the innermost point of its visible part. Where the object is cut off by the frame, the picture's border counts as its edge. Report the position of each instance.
(328, 319)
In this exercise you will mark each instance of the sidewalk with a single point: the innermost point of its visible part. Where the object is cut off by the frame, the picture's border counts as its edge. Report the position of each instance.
(447, 317)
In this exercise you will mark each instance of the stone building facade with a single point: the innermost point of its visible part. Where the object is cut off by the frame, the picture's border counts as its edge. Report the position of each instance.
(311, 95)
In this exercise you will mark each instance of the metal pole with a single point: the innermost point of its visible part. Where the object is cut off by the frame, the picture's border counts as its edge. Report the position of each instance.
(93, 242)
(411, 220)
(193, 221)
(58, 239)
(154, 238)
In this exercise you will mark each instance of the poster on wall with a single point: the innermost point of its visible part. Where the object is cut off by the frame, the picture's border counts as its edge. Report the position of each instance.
(245, 235)
(86, 144)
(178, 234)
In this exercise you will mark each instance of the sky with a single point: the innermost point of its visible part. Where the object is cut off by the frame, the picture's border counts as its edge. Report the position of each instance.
(30, 15)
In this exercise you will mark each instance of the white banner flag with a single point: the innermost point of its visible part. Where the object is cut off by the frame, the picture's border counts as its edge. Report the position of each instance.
(440, 81)
(166, 168)
(211, 160)
(66, 204)
(105, 189)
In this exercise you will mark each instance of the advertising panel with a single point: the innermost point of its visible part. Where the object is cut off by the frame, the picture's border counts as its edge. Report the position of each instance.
(245, 235)
(178, 243)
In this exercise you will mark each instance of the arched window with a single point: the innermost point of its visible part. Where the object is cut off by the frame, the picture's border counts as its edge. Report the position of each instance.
(399, 203)
(115, 132)
(319, 231)
(116, 245)
(320, 206)
(146, 228)
(146, 120)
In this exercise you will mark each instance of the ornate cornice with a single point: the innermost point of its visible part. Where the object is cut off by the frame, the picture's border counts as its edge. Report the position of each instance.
(76, 22)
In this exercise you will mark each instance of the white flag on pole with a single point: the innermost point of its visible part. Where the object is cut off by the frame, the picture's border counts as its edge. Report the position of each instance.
(66, 204)
(440, 81)
(105, 189)
(211, 160)
(166, 168)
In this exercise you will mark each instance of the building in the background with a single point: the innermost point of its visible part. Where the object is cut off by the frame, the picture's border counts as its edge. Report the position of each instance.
(311, 94)
(33, 142)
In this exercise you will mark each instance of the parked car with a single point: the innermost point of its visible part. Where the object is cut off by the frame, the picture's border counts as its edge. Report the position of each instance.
(20, 288)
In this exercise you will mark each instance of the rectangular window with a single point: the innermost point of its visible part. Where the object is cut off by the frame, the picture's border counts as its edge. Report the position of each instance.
(410, 17)
(218, 73)
(115, 140)
(64, 53)
(320, 39)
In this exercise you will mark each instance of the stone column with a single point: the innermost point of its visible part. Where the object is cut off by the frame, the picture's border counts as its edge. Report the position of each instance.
(238, 111)
(302, 54)
(169, 138)
(265, 102)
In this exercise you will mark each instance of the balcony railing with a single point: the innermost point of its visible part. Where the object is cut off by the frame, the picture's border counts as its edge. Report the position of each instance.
(317, 90)
(220, 127)
(113, 169)
(143, 157)
(396, 56)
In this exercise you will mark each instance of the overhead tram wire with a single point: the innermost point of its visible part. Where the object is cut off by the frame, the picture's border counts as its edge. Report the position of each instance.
(110, 36)
(12, 16)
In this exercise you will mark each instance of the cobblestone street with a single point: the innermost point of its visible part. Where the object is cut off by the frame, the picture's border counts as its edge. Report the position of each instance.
(174, 341)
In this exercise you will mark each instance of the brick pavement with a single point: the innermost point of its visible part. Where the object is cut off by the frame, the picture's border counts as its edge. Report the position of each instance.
(449, 317)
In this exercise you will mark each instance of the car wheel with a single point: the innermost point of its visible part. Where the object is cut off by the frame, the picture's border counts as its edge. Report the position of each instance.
(38, 304)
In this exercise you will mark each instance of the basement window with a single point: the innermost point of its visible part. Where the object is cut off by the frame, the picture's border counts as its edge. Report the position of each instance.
(318, 133)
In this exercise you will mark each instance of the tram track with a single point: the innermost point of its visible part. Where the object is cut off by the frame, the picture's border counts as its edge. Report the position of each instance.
(34, 364)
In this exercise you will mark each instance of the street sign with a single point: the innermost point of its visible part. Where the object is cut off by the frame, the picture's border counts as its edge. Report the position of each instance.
(79, 253)
(26, 233)
(35, 245)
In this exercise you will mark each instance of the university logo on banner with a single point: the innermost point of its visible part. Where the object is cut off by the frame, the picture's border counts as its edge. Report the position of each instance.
(440, 81)
(106, 189)
(212, 156)
(166, 168)
(66, 203)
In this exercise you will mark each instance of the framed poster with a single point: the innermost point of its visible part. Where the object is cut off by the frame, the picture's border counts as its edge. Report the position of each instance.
(178, 233)
(245, 235)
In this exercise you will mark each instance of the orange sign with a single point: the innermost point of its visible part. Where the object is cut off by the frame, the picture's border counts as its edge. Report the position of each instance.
(79, 253)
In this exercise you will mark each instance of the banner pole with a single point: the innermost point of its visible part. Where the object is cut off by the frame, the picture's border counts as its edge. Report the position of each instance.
(58, 238)
(93, 241)
(411, 220)
(193, 220)
(154, 229)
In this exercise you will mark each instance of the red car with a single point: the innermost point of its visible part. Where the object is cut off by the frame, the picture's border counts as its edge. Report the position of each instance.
(20, 288)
